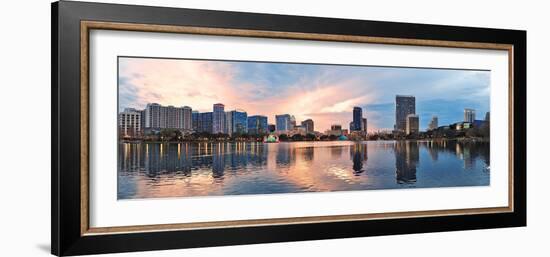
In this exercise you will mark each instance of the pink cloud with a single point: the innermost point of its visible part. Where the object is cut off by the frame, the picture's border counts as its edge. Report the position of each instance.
(200, 84)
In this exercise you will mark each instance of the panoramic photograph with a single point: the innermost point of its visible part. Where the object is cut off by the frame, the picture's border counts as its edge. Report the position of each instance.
(190, 127)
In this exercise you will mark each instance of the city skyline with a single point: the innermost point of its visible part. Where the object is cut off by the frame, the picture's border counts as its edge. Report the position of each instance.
(324, 93)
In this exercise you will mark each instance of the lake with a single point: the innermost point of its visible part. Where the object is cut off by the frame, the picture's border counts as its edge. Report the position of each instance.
(147, 170)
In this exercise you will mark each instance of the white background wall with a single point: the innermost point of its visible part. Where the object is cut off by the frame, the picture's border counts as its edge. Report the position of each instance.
(25, 127)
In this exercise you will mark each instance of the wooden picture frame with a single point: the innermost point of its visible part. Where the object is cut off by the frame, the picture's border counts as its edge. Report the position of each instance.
(71, 25)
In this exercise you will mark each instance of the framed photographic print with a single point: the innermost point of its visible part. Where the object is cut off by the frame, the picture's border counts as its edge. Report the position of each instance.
(178, 128)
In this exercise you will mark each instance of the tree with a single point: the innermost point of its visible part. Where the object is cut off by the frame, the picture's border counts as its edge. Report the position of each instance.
(310, 137)
(297, 137)
(168, 134)
(283, 137)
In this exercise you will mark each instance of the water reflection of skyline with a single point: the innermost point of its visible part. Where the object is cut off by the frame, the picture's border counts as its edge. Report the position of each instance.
(192, 169)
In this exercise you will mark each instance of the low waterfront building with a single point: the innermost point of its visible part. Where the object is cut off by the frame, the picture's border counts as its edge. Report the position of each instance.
(129, 123)
(335, 130)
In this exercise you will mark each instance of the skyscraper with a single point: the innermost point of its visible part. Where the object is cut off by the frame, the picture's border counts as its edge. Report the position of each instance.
(257, 124)
(404, 105)
(195, 119)
(364, 124)
(357, 119)
(170, 119)
(282, 122)
(412, 126)
(308, 125)
(157, 116)
(218, 119)
(292, 122)
(205, 122)
(433, 123)
(469, 115)
(152, 116)
(228, 123)
(142, 119)
(236, 122)
(186, 122)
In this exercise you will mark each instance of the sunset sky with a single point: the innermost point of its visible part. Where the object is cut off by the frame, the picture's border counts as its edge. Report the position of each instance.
(324, 93)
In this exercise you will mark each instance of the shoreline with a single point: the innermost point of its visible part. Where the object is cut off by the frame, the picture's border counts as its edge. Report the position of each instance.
(461, 139)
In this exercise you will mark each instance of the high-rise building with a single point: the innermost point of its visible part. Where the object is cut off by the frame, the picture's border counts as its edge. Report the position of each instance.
(185, 120)
(469, 115)
(228, 123)
(308, 125)
(171, 118)
(195, 119)
(129, 122)
(142, 119)
(157, 116)
(364, 124)
(206, 122)
(152, 116)
(218, 119)
(240, 122)
(404, 105)
(236, 122)
(357, 119)
(412, 126)
(292, 122)
(257, 124)
(433, 123)
(487, 116)
(283, 122)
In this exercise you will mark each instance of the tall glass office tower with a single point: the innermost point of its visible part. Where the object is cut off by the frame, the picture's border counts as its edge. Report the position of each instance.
(404, 105)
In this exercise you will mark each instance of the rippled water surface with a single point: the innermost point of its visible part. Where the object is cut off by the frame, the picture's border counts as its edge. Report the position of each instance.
(198, 169)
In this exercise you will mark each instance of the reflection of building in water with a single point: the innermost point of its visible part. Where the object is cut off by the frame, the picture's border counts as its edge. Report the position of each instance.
(336, 151)
(433, 150)
(468, 160)
(469, 152)
(129, 155)
(218, 160)
(359, 155)
(284, 156)
(406, 159)
(307, 153)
